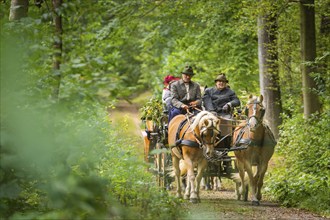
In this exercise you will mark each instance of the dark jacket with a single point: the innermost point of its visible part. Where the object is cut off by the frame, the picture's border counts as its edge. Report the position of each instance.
(214, 99)
(179, 94)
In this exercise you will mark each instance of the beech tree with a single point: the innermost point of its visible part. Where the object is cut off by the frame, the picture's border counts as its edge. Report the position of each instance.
(57, 19)
(18, 9)
(308, 55)
(268, 67)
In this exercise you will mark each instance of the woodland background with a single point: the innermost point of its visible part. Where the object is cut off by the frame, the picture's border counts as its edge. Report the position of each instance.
(65, 63)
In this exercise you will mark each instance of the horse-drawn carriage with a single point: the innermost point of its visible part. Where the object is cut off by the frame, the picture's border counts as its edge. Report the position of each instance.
(158, 154)
(209, 138)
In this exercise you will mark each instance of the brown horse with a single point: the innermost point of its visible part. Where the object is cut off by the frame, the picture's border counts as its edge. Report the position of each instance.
(192, 139)
(260, 141)
(147, 138)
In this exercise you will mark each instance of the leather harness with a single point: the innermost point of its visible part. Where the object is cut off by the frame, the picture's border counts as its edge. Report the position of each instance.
(180, 141)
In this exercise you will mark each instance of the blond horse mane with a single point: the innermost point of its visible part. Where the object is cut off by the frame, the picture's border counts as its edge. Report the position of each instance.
(198, 120)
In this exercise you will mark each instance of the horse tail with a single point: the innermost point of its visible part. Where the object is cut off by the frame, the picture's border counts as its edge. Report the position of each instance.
(171, 172)
(237, 179)
(183, 169)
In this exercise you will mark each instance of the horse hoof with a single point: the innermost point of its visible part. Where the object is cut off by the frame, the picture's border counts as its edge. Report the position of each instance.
(193, 200)
(255, 202)
(179, 196)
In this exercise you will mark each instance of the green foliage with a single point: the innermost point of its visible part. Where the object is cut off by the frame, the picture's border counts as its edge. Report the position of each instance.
(66, 160)
(303, 178)
(62, 164)
(114, 49)
(153, 110)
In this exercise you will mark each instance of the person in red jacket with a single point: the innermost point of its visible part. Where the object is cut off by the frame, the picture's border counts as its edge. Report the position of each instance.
(166, 95)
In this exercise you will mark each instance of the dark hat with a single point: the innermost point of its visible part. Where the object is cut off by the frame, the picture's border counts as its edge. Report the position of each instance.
(221, 77)
(170, 78)
(188, 70)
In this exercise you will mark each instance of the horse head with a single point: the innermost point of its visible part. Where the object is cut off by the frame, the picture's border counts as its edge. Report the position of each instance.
(206, 127)
(255, 111)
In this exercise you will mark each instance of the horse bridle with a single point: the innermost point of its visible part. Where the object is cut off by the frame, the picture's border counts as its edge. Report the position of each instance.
(203, 133)
(247, 127)
(254, 115)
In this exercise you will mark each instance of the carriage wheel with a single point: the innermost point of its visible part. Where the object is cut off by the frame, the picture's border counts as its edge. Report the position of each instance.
(163, 161)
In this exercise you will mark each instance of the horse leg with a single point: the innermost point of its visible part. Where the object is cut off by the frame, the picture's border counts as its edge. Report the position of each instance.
(253, 183)
(191, 191)
(241, 189)
(204, 182)
(190, 171)
(200, 171)
(216, 183)
(176, 168)
(187, 188)
(256, 178)
(260, 181)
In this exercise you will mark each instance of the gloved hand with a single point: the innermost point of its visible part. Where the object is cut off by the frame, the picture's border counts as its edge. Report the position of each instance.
(226, 108)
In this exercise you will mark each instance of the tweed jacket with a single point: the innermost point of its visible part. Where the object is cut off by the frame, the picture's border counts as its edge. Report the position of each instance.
(179, 93)
(214, 99)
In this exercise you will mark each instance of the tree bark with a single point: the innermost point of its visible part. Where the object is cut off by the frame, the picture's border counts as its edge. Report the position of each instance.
(57, 48)
(268, 70)
(18, 9)
(308, 55)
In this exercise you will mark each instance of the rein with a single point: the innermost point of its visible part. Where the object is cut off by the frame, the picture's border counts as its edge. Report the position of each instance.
(203, 131)
(240, 136)
(200, 140)
(262, 110)
(247, 128)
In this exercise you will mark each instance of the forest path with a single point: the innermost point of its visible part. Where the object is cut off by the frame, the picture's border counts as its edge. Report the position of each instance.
(218, 204)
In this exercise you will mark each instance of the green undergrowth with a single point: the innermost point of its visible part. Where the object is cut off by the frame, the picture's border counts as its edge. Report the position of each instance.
(69, 161)
(302, 178)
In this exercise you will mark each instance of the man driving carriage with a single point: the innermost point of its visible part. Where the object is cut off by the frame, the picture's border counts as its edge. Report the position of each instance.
(220, 100)
(185, 94)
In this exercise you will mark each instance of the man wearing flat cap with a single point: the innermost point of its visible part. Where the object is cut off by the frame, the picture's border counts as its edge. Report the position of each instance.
(185, 94)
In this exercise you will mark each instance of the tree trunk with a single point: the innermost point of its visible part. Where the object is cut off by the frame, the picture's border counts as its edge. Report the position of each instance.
(18, 9)
(57, 48)
(308, 55)
(268, 71)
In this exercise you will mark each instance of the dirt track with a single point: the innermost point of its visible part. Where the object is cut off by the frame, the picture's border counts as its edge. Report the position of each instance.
(223, 204)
